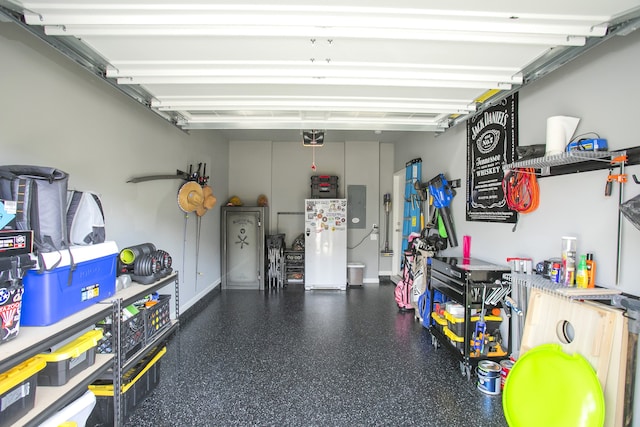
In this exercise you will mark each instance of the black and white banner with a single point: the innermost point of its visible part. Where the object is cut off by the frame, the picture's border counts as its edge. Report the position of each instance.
(492, 137)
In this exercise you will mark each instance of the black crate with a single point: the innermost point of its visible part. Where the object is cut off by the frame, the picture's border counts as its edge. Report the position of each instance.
(157, 316)
(133, 336)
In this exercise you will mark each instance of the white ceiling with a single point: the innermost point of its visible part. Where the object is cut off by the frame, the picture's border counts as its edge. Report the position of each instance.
(350, 65)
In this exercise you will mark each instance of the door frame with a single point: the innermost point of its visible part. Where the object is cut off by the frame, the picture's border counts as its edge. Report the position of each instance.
(397, 215)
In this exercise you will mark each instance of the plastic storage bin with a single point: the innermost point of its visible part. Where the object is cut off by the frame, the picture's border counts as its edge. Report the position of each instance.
(60, 292)
(75, 414)
(324, 187)
(137, 383)
(439, 321)
(456, 324)
(18, 390)
(456, 340)
(355, 274)
(69, 360)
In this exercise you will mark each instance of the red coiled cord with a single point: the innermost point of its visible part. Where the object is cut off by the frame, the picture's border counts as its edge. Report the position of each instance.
(521, 190)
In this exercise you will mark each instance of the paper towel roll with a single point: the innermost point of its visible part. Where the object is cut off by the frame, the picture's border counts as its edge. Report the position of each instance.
(560, 129)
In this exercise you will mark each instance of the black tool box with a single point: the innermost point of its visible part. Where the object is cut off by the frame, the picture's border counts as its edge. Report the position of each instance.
(324, 187)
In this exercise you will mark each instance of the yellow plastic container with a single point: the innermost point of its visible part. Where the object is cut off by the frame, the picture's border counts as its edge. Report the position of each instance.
(70, 359)
(439, 321)
(455, 339)
(18, 390)
(456, 324)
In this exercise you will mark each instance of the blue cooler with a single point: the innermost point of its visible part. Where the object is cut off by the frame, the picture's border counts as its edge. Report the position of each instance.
(61, 291)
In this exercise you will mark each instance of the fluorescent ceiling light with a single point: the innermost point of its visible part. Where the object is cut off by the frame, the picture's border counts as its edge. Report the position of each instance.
(228, 80)
(317, 32)
(328, 17)
(312, 105)
(343, 123)
(257, 70)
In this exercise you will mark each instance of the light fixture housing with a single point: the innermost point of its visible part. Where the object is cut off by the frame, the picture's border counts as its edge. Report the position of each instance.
(313, 138)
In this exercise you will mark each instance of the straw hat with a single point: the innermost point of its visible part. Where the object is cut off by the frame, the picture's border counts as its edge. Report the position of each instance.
(208, 202)
(190, 196)
(209, 198)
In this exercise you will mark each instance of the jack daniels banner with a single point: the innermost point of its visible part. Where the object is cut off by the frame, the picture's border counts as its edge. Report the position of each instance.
(492, 137)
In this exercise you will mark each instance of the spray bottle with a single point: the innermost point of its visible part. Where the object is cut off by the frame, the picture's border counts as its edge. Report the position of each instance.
(582, 278)
(591, 271)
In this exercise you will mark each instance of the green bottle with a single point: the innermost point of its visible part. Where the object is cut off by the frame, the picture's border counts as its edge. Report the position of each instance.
(582, 274)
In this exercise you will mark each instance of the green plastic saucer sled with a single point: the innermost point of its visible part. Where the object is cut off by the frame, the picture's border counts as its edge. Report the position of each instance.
(548, 387)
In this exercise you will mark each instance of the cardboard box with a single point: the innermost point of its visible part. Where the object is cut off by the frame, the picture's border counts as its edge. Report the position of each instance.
(62, 291)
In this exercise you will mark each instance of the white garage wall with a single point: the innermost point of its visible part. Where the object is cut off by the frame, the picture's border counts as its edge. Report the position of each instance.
(601, 88)
(598, 87)
(282, 171)
(56, 114)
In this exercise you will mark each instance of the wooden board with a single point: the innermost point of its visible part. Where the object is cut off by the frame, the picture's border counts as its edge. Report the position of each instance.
(593, 326)
(614, 389)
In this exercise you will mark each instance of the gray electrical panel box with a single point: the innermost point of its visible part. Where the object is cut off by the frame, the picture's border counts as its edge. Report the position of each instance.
(356, 206)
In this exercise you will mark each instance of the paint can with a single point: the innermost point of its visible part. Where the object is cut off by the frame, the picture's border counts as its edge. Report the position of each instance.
(505, 368)
(488, 377)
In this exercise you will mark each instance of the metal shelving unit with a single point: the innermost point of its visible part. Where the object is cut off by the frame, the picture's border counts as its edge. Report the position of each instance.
(126, 297)
(571, 292)
(32, 341)
(614, 158)
(293, 267)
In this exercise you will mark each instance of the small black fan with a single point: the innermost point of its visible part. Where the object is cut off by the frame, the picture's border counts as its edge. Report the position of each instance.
(313, 138)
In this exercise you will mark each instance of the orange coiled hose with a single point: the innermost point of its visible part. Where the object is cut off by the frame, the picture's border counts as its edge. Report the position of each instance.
(521, 190)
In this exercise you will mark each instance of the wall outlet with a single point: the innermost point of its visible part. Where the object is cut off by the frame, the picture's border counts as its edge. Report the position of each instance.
(374, 236)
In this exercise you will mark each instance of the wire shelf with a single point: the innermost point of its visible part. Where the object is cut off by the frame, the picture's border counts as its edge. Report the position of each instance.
(567, 158)
(571, 292)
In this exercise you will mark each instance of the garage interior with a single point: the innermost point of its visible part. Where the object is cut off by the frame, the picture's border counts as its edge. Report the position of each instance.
(112, 91)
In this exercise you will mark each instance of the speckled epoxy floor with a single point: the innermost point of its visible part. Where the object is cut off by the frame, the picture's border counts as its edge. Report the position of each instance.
(310, 358)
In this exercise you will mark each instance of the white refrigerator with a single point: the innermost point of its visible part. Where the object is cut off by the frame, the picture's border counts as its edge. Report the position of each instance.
(325, 245)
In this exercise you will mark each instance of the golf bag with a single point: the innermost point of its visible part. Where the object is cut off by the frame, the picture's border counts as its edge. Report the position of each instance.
(405, 286)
